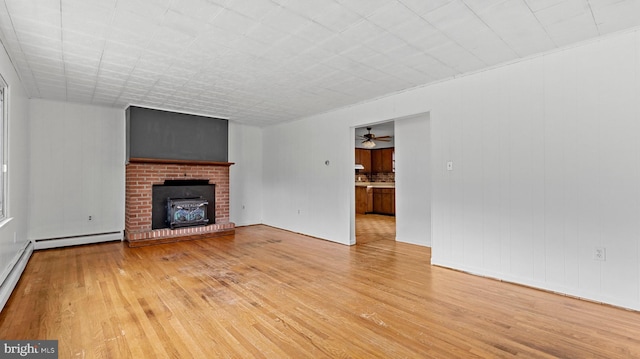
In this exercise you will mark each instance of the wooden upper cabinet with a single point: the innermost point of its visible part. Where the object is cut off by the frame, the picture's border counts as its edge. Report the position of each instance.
(382, 160)
(363, 157)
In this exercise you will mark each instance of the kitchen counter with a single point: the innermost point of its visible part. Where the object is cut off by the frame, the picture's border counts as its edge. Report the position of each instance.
(376, 184)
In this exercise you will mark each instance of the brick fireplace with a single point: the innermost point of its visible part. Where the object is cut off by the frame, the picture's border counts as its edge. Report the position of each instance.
(143, 174)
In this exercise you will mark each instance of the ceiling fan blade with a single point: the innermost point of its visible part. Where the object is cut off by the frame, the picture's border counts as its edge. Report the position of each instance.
(383, 139)
(377, 138)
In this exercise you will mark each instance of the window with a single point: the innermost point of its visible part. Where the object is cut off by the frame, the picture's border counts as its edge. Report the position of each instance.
(3, 146)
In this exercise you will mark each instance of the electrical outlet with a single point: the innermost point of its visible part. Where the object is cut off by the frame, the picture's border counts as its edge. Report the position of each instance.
(600, 254)
(90, 218)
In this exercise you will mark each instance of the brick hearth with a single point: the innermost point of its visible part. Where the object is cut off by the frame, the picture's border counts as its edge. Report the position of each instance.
(142, 174)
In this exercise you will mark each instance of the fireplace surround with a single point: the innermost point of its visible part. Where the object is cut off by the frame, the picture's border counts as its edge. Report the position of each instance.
(176, 189)
(141, 176)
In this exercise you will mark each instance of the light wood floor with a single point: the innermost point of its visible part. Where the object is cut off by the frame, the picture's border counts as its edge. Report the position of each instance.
(375, 227)
(267, 293)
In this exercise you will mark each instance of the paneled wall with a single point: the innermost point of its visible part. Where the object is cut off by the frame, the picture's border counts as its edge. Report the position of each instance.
(546, 168)
(245, 151)
(413, 180)
(77, 171)
(302, 192)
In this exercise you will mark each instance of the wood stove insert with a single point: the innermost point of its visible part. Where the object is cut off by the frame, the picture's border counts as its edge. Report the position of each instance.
(192, 199)
(187, 212)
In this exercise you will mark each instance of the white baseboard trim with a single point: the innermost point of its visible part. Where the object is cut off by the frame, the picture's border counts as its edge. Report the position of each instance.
(78, 240)
(7, 286)
(414, 242)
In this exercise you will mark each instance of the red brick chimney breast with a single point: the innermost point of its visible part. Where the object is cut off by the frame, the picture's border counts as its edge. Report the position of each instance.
(142, 174)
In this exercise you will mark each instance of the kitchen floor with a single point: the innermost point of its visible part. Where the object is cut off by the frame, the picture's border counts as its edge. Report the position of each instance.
(375, 227)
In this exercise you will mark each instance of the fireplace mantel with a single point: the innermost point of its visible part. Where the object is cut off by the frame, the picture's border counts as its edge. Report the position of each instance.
(143, 173)
(179, 162)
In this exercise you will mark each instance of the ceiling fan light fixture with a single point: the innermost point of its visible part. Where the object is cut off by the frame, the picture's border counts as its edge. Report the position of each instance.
(370, 137)
(368, 144)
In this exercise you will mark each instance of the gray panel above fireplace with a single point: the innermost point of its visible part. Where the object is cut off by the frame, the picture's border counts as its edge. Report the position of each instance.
(158, 134)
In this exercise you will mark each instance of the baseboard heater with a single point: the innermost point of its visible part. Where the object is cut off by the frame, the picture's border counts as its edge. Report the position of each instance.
(46, 243)
(10, 281)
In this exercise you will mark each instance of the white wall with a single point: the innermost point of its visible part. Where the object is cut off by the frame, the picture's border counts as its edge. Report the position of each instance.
(300, 192)
(77, 170)
(295, 177)
(245, 176)
(15, 248)
(413, 207)
(546, 157)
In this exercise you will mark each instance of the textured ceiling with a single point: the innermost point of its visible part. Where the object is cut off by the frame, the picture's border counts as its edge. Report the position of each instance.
(261, 62)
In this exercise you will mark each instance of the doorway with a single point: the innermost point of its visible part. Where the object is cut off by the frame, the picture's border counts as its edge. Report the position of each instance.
(412, 162)
(375, 183)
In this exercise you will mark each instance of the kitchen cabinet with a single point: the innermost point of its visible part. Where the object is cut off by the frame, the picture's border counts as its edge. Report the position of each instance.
(371, 199)
(361, 200)
(382, 160)
(363, 157)
(384, 201)
(364, 199)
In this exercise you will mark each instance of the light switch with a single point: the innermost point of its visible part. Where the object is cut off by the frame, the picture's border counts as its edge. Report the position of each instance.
(449, 166)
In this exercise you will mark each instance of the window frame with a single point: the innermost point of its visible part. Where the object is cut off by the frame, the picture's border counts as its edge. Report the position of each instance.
(4, 145)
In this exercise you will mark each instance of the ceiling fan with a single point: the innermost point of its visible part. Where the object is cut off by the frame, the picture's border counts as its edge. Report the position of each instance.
(369, 137)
